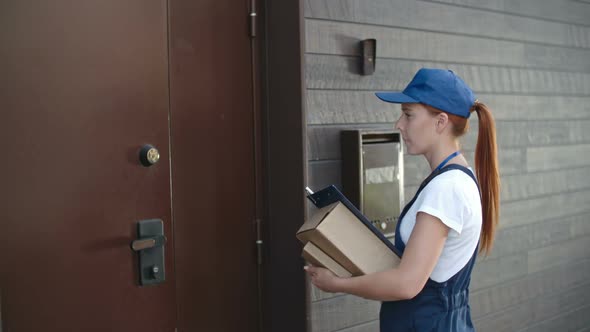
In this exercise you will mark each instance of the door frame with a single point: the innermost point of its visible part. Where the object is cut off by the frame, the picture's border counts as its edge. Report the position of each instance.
(285, 293)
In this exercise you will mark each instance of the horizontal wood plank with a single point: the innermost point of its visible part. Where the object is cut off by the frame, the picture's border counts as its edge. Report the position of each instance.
(443, 18)
(519, 239)
(348, 107)
(485, 302)
(359, 107)
(566, 11)
(532, 133)
(522, 212)
(523, 107)
(528, 313)
(546, 257)
(341, 38)
(557, 157)
(580, 227)
(523, 186)
(493, 271)
(575, 320)
(342, 73)
(324, 173)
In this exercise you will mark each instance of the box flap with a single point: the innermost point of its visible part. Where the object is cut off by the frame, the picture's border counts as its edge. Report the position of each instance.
(317, 218)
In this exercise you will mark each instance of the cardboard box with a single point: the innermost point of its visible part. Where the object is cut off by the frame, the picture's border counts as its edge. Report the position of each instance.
(317, 257)
(338, 234)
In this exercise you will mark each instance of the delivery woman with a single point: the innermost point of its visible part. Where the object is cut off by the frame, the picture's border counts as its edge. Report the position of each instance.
(452, 217)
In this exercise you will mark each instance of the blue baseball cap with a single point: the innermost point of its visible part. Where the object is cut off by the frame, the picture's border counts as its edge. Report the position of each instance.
(439, 88)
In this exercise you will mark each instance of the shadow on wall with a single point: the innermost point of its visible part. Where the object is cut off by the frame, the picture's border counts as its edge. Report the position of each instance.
(354, 67)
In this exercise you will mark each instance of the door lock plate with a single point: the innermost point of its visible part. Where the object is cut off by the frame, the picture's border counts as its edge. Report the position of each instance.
(150, 249)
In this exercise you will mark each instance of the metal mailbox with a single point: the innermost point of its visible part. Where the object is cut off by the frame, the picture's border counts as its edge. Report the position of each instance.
(372, 175)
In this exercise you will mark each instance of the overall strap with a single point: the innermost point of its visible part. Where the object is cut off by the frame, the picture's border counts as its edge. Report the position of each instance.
(399, 244)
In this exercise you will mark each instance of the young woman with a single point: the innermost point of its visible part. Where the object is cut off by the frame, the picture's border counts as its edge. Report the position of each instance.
(450, 219)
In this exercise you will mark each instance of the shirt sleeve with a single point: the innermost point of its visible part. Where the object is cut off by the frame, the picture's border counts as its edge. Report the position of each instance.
(443, 199)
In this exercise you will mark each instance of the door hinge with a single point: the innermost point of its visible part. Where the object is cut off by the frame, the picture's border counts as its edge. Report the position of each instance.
(259, 242)
(253, 19)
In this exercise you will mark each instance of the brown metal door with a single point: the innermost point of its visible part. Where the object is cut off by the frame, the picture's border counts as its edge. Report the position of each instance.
(83, 84)
(214, 187)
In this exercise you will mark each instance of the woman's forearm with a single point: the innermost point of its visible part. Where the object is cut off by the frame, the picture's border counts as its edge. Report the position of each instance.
(390, 285)
(408, 278)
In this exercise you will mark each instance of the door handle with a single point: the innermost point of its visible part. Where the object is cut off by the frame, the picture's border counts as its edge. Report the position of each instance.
(150, 250)
(148, 243)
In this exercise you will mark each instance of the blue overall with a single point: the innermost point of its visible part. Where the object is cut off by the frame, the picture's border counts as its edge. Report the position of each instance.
(439, 306)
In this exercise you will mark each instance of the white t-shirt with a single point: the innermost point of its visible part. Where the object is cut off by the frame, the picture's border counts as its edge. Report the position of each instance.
(453, 198)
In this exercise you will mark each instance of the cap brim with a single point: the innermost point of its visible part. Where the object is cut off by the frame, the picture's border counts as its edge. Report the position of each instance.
(395, 97)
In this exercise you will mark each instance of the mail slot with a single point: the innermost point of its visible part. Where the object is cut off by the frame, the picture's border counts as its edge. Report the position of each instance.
(372, 175)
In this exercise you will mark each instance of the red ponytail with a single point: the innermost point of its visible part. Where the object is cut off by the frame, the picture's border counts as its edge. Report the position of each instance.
(488, 176)
(486, 169)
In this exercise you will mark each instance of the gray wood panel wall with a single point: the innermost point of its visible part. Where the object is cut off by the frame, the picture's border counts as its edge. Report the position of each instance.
(527, 59)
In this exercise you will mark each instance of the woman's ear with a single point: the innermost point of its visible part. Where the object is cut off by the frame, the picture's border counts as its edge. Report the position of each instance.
(442, 120)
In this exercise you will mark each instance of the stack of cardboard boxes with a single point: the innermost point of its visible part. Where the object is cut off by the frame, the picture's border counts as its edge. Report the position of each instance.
(336, 239)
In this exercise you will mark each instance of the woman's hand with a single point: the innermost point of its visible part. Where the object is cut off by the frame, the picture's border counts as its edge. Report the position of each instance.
(322, 278)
